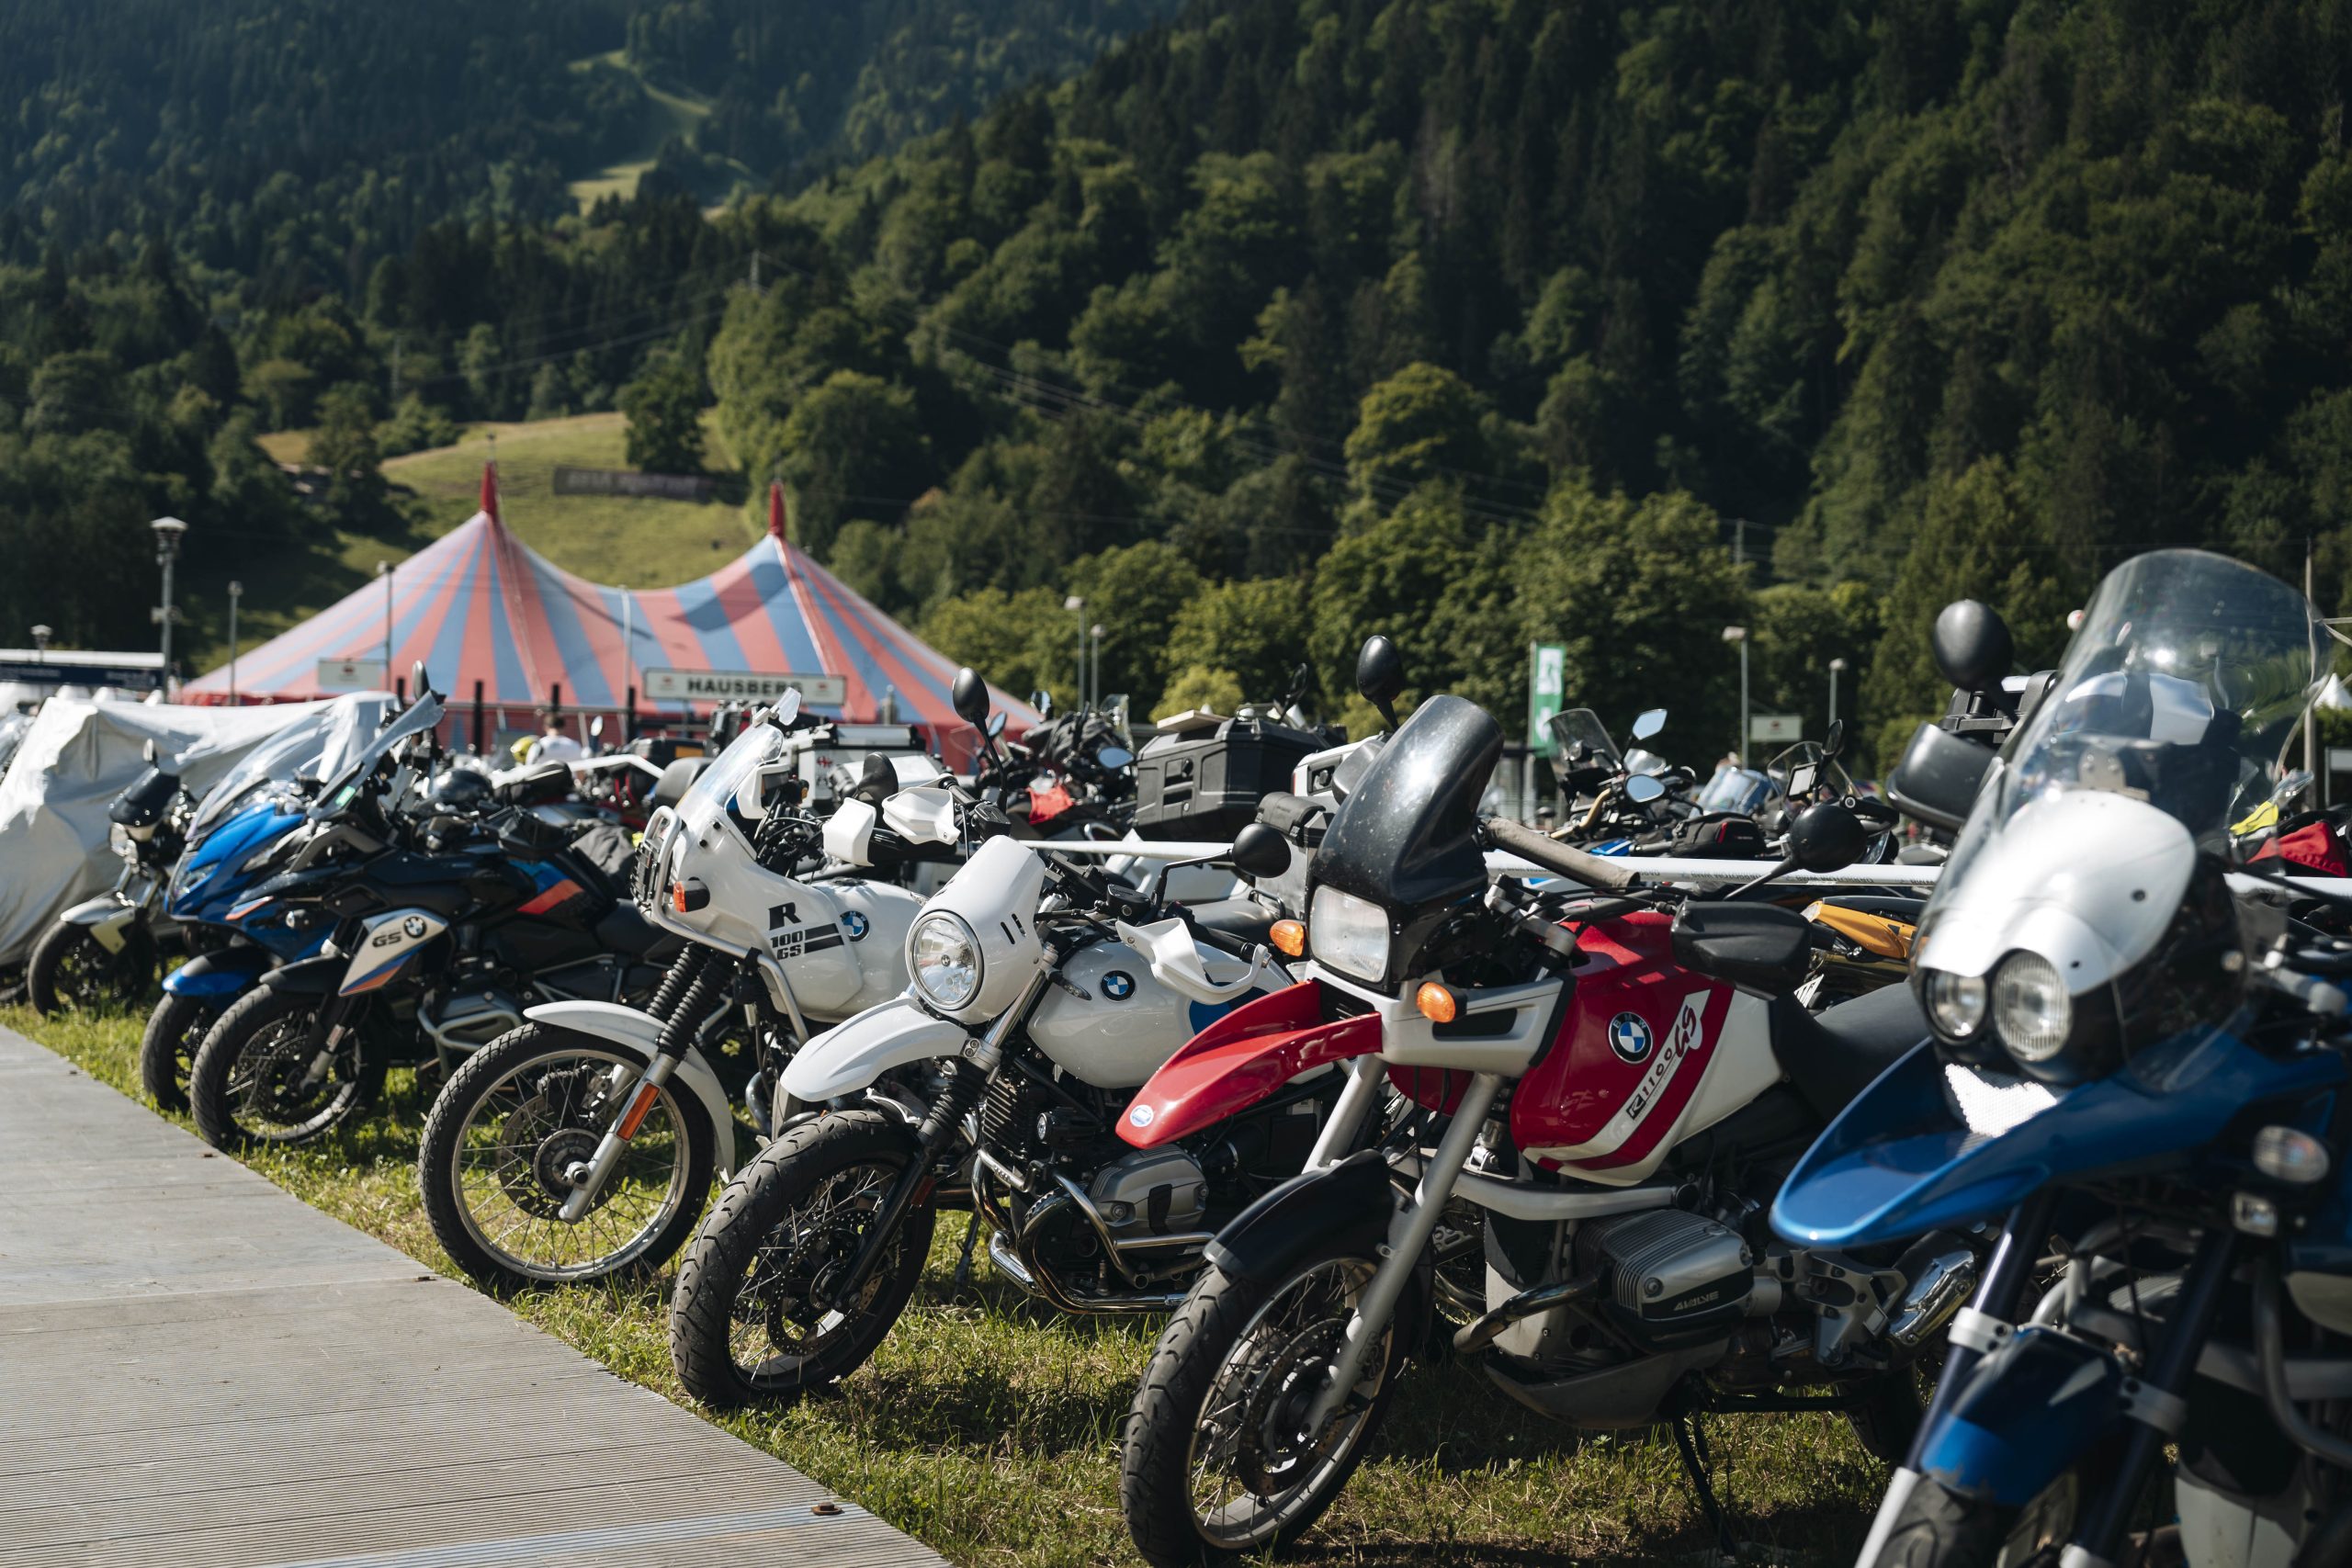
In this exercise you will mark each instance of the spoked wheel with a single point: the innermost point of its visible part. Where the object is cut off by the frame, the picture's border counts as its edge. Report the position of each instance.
(1223, 1455)
(509, 1129)
(70, 968)
(757, 1314)
(175, 1032)
(259, 1078)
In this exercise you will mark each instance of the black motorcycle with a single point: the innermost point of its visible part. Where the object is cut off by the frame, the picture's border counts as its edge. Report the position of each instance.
(453, 911)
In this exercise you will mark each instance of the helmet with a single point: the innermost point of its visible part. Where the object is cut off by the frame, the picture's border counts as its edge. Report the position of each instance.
(461, 789)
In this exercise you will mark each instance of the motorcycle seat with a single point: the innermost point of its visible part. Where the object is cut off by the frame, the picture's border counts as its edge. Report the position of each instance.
(624, 931)
(1243, 919)
(1832, 1056)
(1761, 946)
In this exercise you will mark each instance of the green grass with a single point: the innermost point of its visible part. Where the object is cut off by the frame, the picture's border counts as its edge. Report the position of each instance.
(667, 113)
(634, 541)
(987, 1428)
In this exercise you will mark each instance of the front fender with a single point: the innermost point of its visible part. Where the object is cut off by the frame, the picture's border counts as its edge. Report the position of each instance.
(106, 915)
(1240, 1059)
(638, 1033)
(852, 1054)
(2028, 1411)
(310, 977)
(1350, 1201)
(220, 974)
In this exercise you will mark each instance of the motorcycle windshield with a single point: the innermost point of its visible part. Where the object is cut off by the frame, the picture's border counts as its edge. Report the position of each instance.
(2179, 693)
(340, 791)
(709, 798)
(1405, 838)
(1579, 734)
(1735, 790)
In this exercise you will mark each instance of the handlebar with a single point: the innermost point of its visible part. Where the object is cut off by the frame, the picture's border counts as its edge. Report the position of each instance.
(1593, 871)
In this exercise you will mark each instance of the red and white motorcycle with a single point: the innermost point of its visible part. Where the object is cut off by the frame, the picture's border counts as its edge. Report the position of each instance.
(1613, 1080)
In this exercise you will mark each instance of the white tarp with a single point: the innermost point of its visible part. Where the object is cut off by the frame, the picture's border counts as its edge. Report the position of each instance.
(79, 755)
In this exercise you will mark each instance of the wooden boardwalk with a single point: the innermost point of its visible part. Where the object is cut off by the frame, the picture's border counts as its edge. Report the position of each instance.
(198, 1368)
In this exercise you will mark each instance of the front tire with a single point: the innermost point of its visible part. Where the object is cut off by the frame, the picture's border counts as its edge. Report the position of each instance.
(1215, 1463)
(175, 1032)
(743, 1324)
(249, 1087)
(1938, 1528)
(507, 1125)
(70, 968)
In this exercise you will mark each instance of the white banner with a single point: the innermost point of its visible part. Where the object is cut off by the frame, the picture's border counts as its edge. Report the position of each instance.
(1776, 726)
(743, 686)
(352, 675)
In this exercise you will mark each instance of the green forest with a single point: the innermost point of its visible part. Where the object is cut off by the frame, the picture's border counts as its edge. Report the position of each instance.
(1475, 321)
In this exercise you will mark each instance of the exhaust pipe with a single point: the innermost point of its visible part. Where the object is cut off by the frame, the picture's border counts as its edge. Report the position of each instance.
(1489, 1326)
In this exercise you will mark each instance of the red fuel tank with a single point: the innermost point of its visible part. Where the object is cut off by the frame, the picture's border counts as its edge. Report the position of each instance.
(1647, 1053)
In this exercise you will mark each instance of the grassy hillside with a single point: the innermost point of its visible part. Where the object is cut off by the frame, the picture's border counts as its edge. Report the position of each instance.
(618, 539)
(668, 113)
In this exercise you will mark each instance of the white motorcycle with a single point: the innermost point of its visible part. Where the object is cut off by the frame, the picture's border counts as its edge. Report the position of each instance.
(581, 1146)
(1044, 992)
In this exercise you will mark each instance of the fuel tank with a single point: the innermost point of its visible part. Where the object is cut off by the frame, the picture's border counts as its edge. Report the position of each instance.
(1127, 1024)
(1647, 1053)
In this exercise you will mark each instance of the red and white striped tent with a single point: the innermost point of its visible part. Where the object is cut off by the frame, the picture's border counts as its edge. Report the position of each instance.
(497, 624)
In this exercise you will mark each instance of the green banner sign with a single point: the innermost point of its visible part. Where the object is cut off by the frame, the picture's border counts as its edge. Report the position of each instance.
(1547, 672)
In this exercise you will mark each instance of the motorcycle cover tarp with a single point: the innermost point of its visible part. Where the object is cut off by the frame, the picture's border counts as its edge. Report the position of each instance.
(79, 755)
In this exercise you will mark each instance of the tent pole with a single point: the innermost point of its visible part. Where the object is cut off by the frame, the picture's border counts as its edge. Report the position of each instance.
(477, 730)
(629, 728)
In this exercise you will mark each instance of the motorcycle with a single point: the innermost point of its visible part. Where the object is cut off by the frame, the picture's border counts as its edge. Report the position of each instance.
(564, 1151)
(103, 951)
(444, 923)
(2139, 1051)
(1661, 1079)
(215, 873)
(1043, 993)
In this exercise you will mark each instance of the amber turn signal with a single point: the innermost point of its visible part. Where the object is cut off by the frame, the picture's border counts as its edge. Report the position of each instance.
(1288, 936)
(1437, 1004)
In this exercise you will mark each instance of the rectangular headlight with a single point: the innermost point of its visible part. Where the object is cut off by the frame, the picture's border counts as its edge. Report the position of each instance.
(1349, 934)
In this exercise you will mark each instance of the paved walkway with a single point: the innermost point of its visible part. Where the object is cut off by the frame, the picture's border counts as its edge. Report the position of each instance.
(198, 1369)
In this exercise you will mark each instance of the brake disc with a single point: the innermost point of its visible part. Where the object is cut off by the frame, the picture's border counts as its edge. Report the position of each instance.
(1273, 1444)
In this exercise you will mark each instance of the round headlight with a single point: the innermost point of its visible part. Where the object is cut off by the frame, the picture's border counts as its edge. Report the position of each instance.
(943, 956)
(2030, 1007)
(1955, 1003)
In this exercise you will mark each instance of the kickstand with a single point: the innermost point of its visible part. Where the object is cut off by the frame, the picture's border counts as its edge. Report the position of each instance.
(963, 1264)
(1691, 1442)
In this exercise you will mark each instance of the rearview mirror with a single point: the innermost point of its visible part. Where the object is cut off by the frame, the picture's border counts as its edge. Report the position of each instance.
(1938, 778)
(1642, 788)
(1043, 701)
(1648, 722)
(417, 685)
(1972, 644)
(1260, 852)
(1114, 758)
(1835, 740)
(1380, 675)
(995, 724)
(970, 696)
(596, 728)
(787, 706)
(1827, 837)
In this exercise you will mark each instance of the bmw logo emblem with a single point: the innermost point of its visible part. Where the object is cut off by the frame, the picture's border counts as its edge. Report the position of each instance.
(414, 927)
(1118, 985)
(1629, 1036)
(1140, 1116)
(856, 925)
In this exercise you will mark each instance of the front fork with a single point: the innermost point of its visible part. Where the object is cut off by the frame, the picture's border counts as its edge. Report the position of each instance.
(685, 997)
(337, 1020)
(968, 1081)
(1409, 1229)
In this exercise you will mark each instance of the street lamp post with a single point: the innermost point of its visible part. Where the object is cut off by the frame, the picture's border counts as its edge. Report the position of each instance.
(384, 570)
(1739, 635)
(1095, 680)
(168, 531)
(40, 644)
(1077, 606)
(1837, 668)
(236, 591)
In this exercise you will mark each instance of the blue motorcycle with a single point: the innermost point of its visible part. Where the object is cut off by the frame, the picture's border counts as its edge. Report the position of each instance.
(214, 877)
(2136, 1080)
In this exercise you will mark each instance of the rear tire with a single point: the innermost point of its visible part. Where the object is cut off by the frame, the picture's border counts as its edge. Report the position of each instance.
(741, 1326)
(521, 1109)
(175, 1032)
(1887, 1418)
(1234, 1343)
(70, 968)
(243, 1088)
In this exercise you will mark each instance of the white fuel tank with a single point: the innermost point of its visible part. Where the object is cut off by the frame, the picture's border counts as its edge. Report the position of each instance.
(1127, 1024)
(842, 944)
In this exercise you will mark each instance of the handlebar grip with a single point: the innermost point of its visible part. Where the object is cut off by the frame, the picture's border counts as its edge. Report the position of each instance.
(1593, 871)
